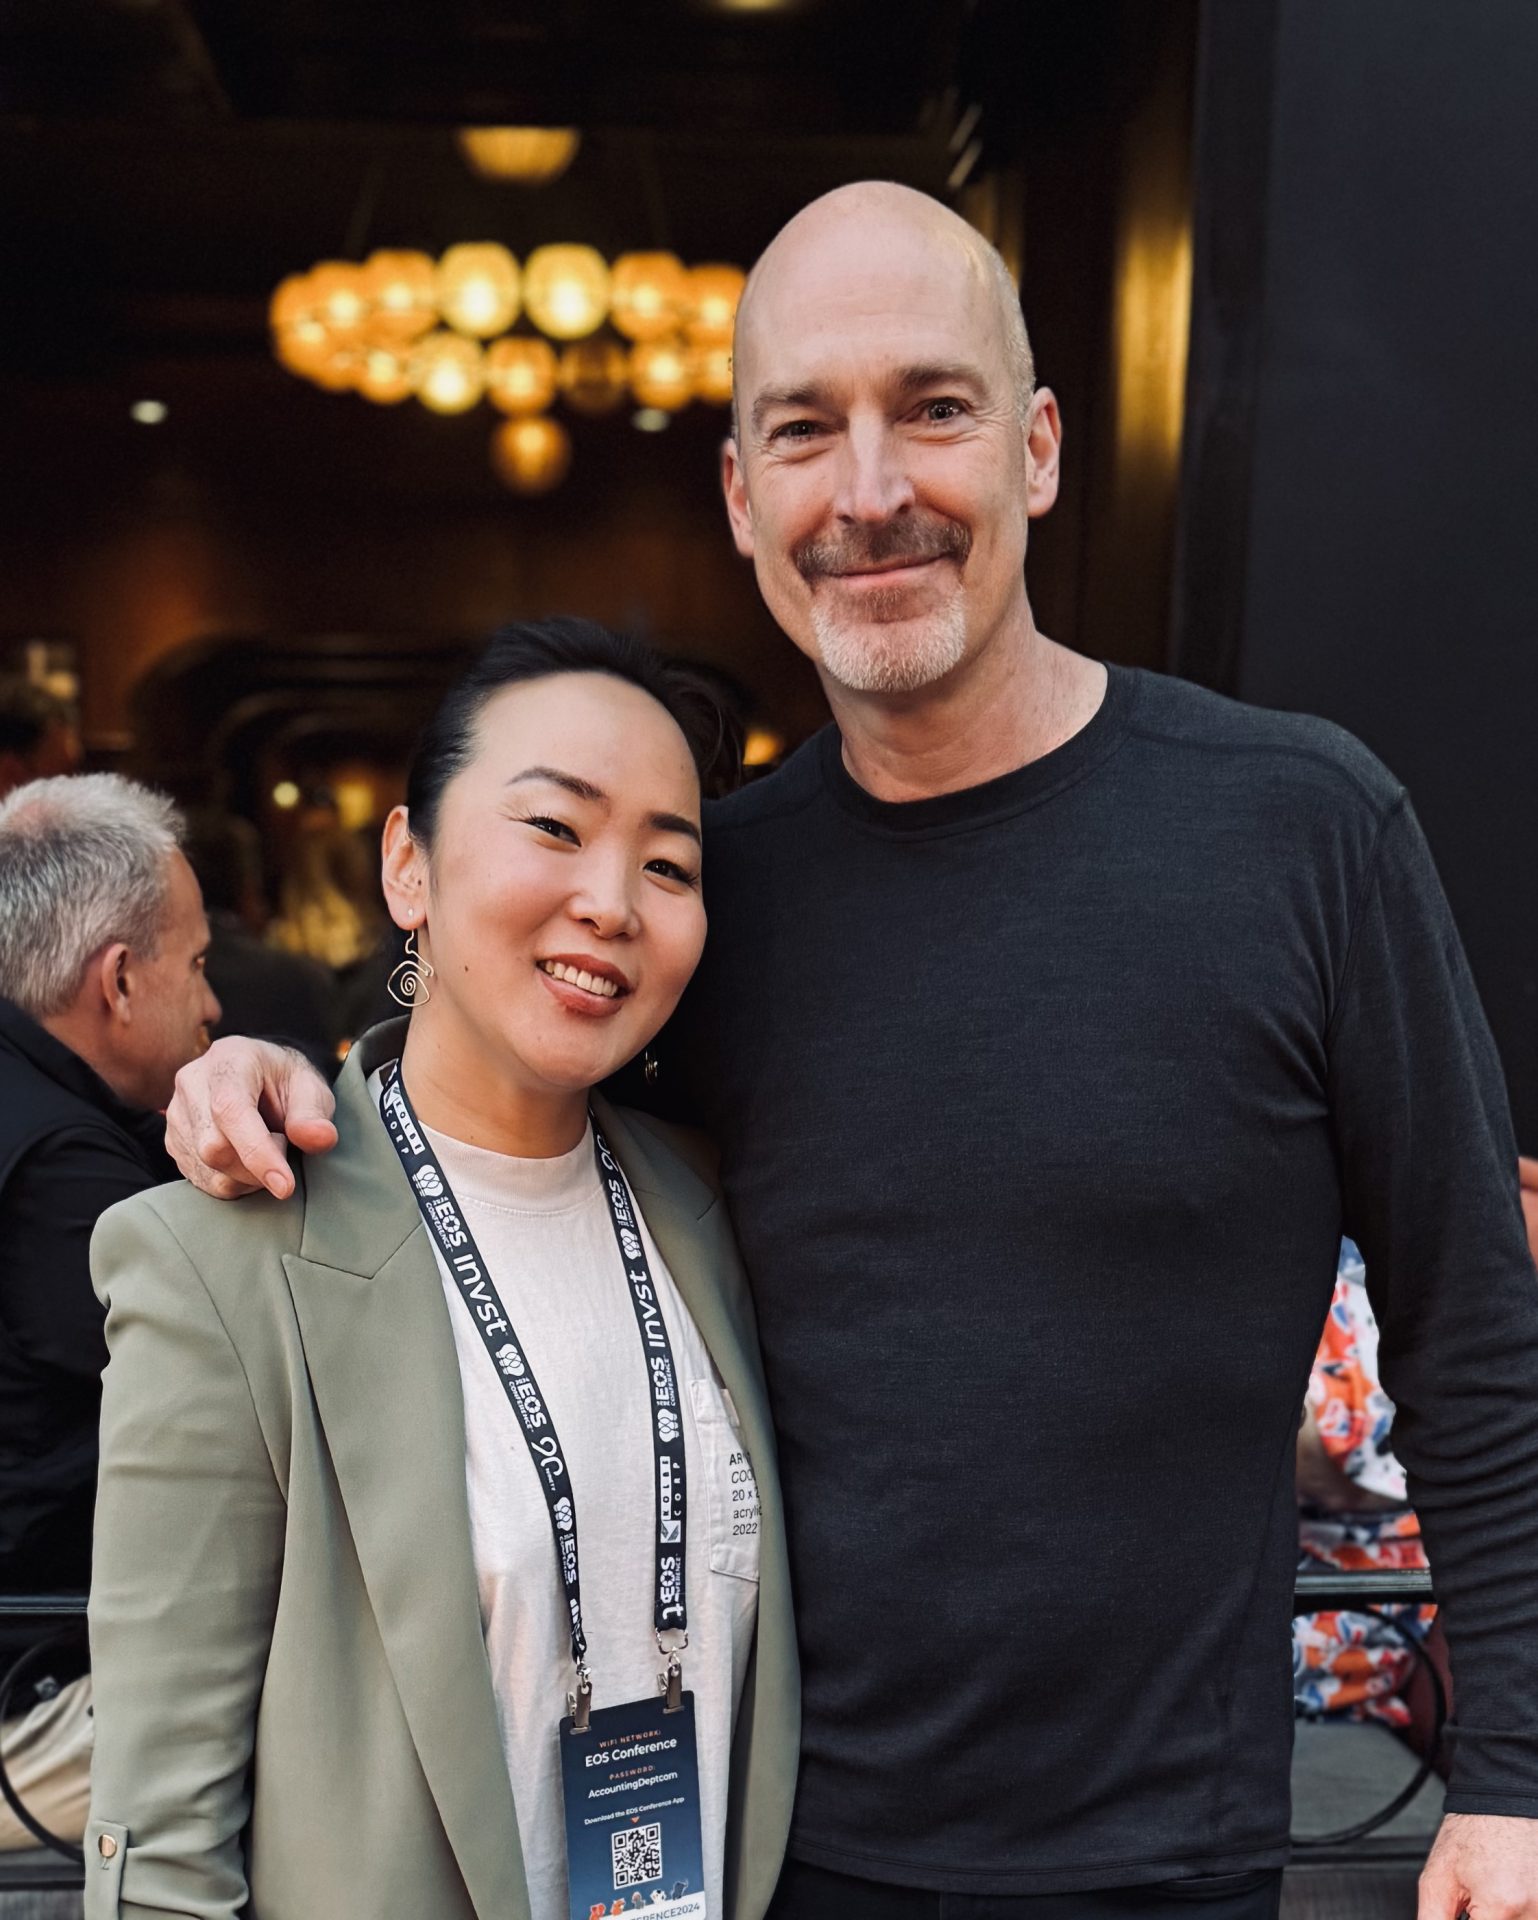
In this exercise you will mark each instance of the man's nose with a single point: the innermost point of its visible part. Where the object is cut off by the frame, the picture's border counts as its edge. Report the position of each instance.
(212, 1010)
(873, 482)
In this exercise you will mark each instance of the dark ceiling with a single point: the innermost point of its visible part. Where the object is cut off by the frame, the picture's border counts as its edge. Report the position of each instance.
(164, 162)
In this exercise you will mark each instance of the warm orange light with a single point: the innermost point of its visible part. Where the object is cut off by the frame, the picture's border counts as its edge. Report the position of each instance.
(566, 290)
(1153, 328)
(385, 376)
(762, 747)
(478, 288)
(401, 290)
(339, 300)
(661, 374)
(532, 155)
(339, 369)
(647, 295)
(448, 372)
(595, 375)
(304, 346)
(712, 304)
(713, 375)
(531, 455)
(293, 301)
(520, 375)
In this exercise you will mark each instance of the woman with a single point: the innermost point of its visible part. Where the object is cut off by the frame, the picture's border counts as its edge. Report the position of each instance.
(411, 1493)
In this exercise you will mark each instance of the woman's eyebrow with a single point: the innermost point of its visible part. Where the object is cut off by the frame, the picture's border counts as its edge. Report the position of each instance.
(585, 790)
(674, 823)
(573, 783)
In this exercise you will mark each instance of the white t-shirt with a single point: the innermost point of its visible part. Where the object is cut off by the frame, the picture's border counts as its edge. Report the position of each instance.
(546, 1235)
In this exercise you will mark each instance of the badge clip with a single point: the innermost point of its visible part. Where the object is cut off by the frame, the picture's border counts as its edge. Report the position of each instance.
(671, 1683)
(580, 1704)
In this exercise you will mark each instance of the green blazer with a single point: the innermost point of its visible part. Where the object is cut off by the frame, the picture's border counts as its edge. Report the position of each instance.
(294, 1709)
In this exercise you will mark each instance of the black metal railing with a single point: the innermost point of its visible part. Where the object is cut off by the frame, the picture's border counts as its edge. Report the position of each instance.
(62, 1616)
(1324, 1590)
(1315, 1591)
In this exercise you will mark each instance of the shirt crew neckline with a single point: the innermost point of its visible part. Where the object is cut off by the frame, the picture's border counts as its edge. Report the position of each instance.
(562, 1184)
(1009, 793)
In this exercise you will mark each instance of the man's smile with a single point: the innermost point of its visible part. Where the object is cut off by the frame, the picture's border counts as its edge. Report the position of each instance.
(890, 574)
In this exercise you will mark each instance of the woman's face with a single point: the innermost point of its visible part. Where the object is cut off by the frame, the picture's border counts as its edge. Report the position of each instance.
(563, 914)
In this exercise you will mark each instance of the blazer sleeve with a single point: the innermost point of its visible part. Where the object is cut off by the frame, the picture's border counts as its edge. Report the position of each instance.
(188, 1556)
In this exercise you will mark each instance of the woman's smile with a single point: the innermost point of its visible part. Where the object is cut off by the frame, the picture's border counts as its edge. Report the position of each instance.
(582, 985)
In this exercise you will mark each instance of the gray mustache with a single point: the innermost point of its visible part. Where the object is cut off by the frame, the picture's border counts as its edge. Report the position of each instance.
(912, 541)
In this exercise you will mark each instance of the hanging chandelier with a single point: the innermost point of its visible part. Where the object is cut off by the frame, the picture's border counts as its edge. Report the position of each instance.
(401, 325)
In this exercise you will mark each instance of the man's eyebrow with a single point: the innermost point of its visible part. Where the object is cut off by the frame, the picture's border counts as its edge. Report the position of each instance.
(573, 783)
(939, 373)
(773, 398)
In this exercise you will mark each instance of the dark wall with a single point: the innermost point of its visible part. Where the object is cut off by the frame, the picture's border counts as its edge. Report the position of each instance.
(1363, 430)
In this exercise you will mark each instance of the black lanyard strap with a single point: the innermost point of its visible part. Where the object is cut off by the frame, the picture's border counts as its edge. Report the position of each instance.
(445, 1221)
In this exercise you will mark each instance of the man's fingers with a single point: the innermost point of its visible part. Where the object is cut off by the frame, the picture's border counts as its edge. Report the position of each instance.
(235, 1111)
(238, 1142)
(221, 1186)
(311, 1133)
(309, 1107)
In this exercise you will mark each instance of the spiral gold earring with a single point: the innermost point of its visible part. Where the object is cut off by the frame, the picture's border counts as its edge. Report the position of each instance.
(407, 986)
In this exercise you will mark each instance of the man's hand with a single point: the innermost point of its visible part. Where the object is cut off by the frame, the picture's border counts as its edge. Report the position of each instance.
(226, 1126)
(1484, 1865)
(1527, 1173)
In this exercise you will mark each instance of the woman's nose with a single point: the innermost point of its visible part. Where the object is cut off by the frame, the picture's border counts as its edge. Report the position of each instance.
(606, 900)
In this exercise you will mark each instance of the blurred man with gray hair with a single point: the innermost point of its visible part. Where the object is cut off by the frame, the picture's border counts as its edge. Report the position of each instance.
(102, 999)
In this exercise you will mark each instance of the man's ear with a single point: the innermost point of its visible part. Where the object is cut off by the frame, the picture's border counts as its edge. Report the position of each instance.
(113, 976)
(1043, 452)
(734, 487)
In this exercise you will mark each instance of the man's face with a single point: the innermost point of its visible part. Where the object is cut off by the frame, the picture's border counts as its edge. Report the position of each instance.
(882, 481)
(170, 1003)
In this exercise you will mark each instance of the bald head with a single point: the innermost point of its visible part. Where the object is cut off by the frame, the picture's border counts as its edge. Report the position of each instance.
(861, 226)
(888, 447)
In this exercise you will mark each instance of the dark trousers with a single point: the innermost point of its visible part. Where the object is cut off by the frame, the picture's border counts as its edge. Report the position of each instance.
(810, 1893)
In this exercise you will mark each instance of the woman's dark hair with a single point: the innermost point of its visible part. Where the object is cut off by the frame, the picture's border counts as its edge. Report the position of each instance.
(534, 650)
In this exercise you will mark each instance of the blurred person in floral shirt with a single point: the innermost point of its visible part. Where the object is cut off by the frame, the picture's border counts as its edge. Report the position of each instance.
(1354, 1515)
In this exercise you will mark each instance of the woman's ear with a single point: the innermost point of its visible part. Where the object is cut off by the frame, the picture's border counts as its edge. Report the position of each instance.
(403, 871)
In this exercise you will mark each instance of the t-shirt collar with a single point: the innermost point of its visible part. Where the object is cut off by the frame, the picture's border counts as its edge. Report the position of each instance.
(1028, 786)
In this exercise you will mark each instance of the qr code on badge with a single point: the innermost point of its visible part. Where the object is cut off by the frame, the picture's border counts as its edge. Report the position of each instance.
(637, 1855)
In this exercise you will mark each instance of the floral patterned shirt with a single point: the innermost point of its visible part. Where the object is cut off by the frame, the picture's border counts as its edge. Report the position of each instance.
(1351, 1663)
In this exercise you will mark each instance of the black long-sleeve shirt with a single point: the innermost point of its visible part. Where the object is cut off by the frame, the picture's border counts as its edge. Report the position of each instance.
(69, 1149)
(1042, 1108)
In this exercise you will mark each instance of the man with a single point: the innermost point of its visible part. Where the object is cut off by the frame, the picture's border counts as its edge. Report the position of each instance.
(1048, 1013)
(260, 989)
(37, 736)
(102, 941)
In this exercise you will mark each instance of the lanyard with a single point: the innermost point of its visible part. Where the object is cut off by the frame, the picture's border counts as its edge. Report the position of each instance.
(445, 1221)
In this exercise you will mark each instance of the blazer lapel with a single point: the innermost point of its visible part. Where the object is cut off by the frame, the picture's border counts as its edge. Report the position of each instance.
(689, 1222)
(382, 1365)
